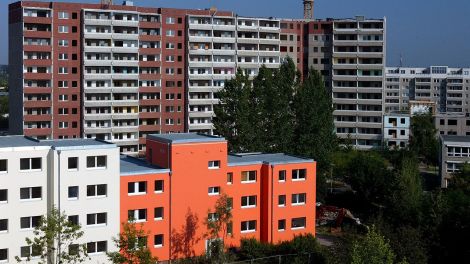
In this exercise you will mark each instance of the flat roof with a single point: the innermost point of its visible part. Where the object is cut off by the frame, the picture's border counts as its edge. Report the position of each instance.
(185, 138)
(135, 166)
(77, 143)
(259, 158)
(447, 138)
(18, 141)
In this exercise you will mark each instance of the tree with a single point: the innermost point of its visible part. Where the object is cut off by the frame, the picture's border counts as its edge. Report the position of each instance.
(424, 138)
(218, 228)
(55, 240)
(132, 245)
(372, 249)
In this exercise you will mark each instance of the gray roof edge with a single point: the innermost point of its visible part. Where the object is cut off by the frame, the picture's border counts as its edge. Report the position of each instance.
(208, 138)
(85, 147)
(143, 172)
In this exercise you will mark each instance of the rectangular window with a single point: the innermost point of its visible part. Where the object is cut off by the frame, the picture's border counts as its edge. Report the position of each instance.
(31, 193)
(211, 217)
(248, 226)
(230, 228)
(170, 20)
(214, 164)
(97, 247)
(63, 43)
(27, 164)
(96, 162)
(96, 219)
(298, 198)
(29, 222)
(282, 176)
(299, 175)
(136, 188)
(158, 240)
(73, 163)
(3, 195)
(4, 255)
(73, 219)
(158, 213)
(230, 178)
(30, 251)
(214, 190)
(159, 186)
(248, 201)
(3, 166)
(138, 215)
(298, 223)
(63, 29)
(170, 33)
(73, 193)
(281, 225)
(63, 15)
(99, 190)
(281, 201)
(248, 176)
(63, 70)
(3, 225)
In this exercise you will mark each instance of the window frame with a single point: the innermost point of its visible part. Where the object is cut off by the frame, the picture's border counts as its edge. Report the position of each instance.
(4, 161)
(247, 199)
(298, 198)
(155, 213)
(282, 173)
(213, 188)
(30, 164)
(249, 174)
(136, 212)
(298, 227)
(95, 218)
(95, 188)
(68, 163)
(157, 182)
(297, 173)
(137, 188)
(246, 224)
(214, 164)
(96, 162)
(155, 240)
(30, 194)
(73, 198)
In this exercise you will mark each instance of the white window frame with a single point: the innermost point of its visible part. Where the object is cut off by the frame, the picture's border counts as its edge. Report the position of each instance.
(63, 15)
(136, 188)
(6, 230)
(63, 29)
(95, 216)
(281, 229)
(31, 227)
(5, 201)
(136, 213)
(155, 187)
(95, 188)
(6, 166)
(31, 164)
(249, 174)
(214, 164)
(296, 175)
(5, 260)
(68, 193)
(96, 167)
(296, 199)
(298, 227)
(30, 191)
(154, 241)
(96, 252)
(285, 200)
(284, 172)
(155, 216)
(245, 225)
(246, 200)
(68, 164)
(170, 20)
(214, 190)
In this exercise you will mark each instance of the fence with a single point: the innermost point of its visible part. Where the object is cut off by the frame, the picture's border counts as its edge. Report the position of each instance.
(307, 258)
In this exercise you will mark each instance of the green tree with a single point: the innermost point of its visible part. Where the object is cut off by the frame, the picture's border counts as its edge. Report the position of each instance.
(55, 241)
(3, 105)
(424, 140)
(372, 249)
(132, 245)
(218, 229)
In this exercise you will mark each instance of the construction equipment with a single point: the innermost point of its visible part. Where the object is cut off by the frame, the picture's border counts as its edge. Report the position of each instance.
(335, 217)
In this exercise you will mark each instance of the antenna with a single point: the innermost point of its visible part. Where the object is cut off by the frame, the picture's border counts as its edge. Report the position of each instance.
(401, 60)
(308, 9)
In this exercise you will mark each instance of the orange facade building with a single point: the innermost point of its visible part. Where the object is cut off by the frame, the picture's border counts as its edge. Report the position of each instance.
(173, 191)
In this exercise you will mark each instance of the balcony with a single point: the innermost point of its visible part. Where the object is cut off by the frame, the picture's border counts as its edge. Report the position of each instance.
(120, 116)
(200, 76)
(247, 52)
(87, 62)
(118, 76)
(96, 116)
(125, 103)
(223, 52)
(207, 64)
(94, 103)
(150, 37)
(129, 89)
(125, 63)
(37, 34)
(224, 27)
(125, 49)
(267, 41)
(125, 36)
(200, 52)
(97, 76)
(37, 104)
(206, 39)
(37, 20)
(36, 62)
(37, 48)
(200, 26)
(149, 128)
(37, 76)
(230, 40)
(38, 132)
(98, 49)
(248, 40)
(92, 35)
(98, 22)
(124, 129)
(36, 118)
(223, 64)
(125, 23)
(96, 130)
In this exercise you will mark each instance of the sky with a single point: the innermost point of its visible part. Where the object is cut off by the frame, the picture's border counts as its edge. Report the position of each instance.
(422, 32)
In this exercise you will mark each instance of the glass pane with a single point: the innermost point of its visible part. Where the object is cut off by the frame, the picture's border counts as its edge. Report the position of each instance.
(24, 165)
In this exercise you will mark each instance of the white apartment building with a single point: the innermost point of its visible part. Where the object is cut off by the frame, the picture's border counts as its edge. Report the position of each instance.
(396, 130)
(358, 68)
(218, 45)
(77, 176)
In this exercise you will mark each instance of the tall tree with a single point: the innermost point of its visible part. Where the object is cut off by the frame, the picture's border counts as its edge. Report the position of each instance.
(424, 137)
(55, 241)
(218, 229)
(372, 249)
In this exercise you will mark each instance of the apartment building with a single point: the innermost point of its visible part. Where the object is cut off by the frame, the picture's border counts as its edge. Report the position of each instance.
(217, 45)
(77, 176)
(174, 191)
(397, 130)
(454, 152)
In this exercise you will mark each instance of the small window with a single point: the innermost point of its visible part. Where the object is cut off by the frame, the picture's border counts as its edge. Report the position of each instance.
(298, 223)
(282, 200)
(73, 163)
(299, 175)
(30, 251)
(97, 247)
(73, 193)
(3, 195)
(159, 186)
(136, 188)
(3, 166)
(442, 122)
(248, 226)
(99, 190)
(138, 215)
(248, 176)
(214, 190)
(31, 193)
(298, 198)
(281, 225)
(214, 164)
(29, 222)
(96, 162)
(230, 178)
(282, 176)
(230, 228)
(73, 219)
(4, 255)
(96, 219)
(158, 240)
(3, 225)
(158, 213)
(30, 164)
(63, 15)
(248, 201)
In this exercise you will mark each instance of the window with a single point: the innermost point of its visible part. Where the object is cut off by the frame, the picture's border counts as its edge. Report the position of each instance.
(4, 255)
(281, 200)
(282, 176)
(170, 33)
(214, 190)
(63, 15)
(158, 213)
(138, 215)
(158, 240)
(96, 162)
(99, 190)
(248, 176)
(96, 219)
(230, 178)
(31, 193)
(29, 222)
(248, 201)
(299, 175)
(63, 43)
(3, 195)
(136, 188)
(30, 251)
(3, 166)
(74, 249)
(298, 198)
(159, 186)
(214, 164)
(230, 228)
(298, 223)
(63, 56)
(281, 225)
(170, 20)
(63, 29)
(30, 164)
(3, 225)
(63, 70)
(248, 226)
(73, 163)
(211, 217)
(73, 193)
(73, 219)
(63, 84)
(97, 247)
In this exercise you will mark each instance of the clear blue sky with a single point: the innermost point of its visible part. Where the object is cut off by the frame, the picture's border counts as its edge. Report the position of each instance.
(426, 32)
